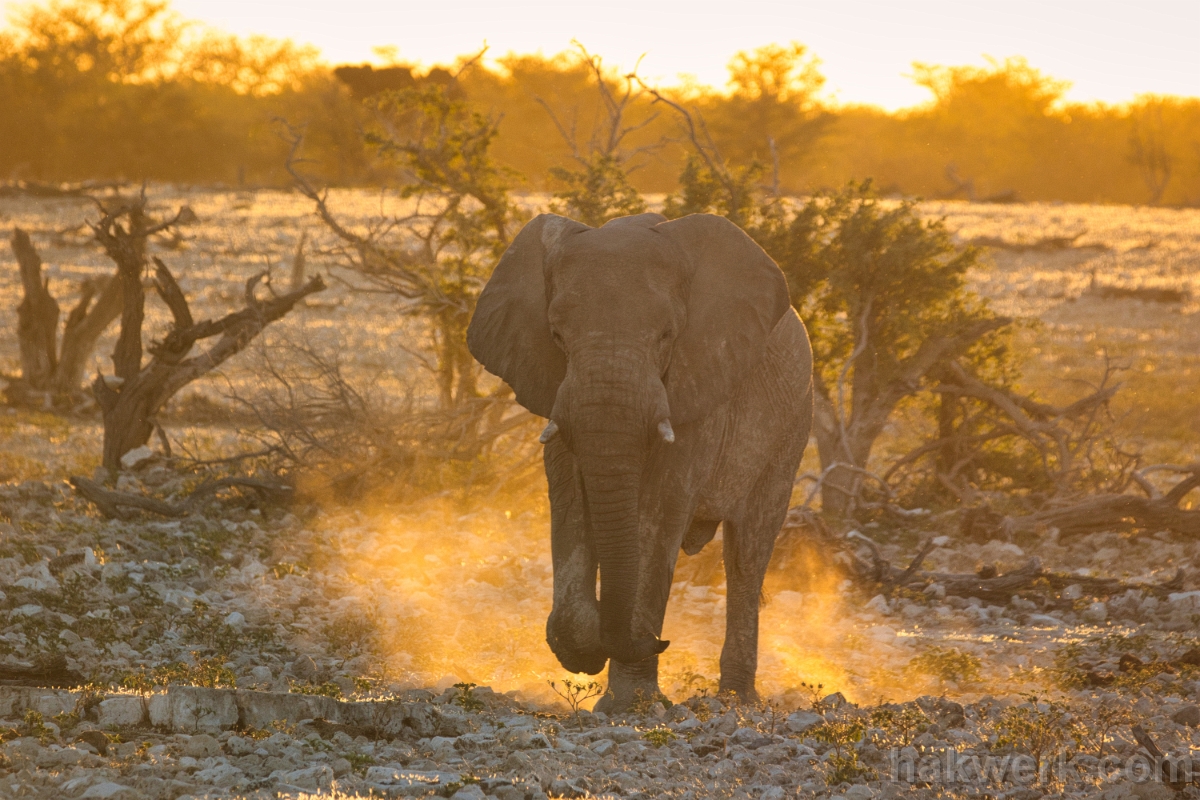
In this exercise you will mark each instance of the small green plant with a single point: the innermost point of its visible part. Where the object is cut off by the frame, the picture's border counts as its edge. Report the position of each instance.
(947, 664)
(1092, 725)
(643, 703)
(1038, 727)
(359, 762)
(452, 787)
(466, 699)
(33, 724)
(843, 766)
(363, 685)
(659, 737)
(900, 724)
(210, 673)
(815, 692)
(328, 689)
(576, 693)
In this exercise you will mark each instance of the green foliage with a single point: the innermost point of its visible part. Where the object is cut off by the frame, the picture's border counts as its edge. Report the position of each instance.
(843, 734)
(598, 191)
(576, 693)
(33, 724)
(947, 664)
(359, 762)
(704, 189)
(900, 724)
(659, 737)
(329, 689)
(210, 673)
(644, 703)
(1039, 727)
(465, 699)
(437, 258)
(864, 271)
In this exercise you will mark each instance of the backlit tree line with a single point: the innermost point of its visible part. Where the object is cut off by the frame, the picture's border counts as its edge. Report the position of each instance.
(127, 89)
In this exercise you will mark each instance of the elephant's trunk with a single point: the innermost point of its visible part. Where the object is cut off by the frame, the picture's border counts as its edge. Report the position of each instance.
(610, 437)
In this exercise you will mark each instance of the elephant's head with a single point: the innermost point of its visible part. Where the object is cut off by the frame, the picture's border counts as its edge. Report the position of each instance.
(622, 335)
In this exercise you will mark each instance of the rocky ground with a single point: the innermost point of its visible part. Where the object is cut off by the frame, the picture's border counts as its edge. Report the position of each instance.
(247, 651)
(261, 652)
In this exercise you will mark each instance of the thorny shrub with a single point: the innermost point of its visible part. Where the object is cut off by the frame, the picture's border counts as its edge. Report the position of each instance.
(947, 664)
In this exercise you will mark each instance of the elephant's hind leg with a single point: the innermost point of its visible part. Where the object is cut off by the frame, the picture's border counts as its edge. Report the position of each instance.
(747, 553)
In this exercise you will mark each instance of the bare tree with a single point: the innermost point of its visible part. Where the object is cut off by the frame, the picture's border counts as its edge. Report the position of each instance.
(130, 399)
(52, 373)
(598, 189)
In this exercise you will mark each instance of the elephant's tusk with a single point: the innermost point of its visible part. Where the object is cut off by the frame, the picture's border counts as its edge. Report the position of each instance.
(550, 432)
(664, 430)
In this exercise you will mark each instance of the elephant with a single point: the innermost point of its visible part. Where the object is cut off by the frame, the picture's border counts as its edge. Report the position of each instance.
(677, 381)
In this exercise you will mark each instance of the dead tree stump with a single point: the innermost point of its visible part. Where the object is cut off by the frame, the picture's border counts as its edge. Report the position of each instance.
(130, 399)
(52, 375)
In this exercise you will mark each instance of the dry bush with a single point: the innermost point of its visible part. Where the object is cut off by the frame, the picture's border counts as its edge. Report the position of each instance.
(345, 439)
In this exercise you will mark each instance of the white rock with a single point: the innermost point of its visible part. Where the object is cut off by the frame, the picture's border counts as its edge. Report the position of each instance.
(1095, 613)
(223, 775)
(1072, 592)
(881, 633)
(859, 792)
(106, 790)
(879, 605)
(136, 457)
(27, 610)
(38, 578)
(602, 747)
(469, 792)
(1184, 599)
(803, 721)
(121, 712)
(235, 619)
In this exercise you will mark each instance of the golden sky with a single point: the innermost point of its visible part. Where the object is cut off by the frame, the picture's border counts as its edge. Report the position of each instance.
(1109, 50)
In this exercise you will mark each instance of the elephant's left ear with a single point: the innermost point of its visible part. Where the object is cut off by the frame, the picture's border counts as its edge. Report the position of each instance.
(509, 333)
(737, 296)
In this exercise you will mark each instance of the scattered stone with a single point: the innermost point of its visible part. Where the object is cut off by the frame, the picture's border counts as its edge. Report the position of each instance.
(107, 790)
(1188, 715)
(96, 739)
(136, 457)
(201, 746)
(804, 721)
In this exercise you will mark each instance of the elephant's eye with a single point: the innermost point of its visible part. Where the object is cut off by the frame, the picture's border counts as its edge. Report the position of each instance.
(558, 340)
(665, 335)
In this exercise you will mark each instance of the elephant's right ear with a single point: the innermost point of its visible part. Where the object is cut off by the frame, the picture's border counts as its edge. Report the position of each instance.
(509, 333)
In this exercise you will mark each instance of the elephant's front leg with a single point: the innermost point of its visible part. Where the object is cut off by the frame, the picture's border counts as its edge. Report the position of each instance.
(748, 544)
(630, 685)
(573, 628)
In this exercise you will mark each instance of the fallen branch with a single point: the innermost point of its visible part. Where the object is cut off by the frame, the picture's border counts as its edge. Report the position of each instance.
(1109, 512)
(1046, 244)
(111, 502)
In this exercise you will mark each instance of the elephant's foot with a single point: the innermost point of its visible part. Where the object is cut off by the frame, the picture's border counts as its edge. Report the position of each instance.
(630, 687)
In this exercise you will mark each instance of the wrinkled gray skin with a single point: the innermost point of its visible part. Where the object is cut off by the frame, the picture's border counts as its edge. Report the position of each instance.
(625, 337)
